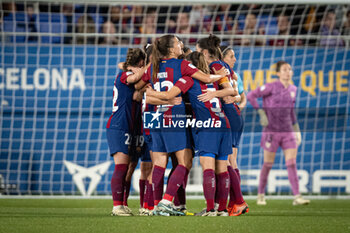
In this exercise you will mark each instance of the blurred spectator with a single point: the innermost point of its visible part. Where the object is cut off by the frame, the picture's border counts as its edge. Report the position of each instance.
(108, 29)
(137, 13)
(183, 23)
(250, 8)
(346, 25)
(252, 28)
(85, 24)
(183, 26)
(149, 26)
(328, 29)
(31, 20)
(127, 26)
(197, 15)
(224, 19)
(283, 26)
(9, 8)
(115, 12)
(312, 23)
(67, 11)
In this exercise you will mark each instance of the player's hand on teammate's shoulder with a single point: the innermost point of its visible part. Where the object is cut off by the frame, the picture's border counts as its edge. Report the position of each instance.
(207, 96)
(223, 71)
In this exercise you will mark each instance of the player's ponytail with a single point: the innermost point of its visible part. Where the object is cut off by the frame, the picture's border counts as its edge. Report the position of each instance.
(161, 49)
(148, 50)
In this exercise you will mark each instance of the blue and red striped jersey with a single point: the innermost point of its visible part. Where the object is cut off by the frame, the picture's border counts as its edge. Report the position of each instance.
(122, 103)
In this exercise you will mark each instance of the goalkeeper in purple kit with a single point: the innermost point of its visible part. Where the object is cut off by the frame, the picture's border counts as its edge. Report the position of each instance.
(281, 128)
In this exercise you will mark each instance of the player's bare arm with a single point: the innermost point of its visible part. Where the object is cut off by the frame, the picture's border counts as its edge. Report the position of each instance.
(156, 101)
(163, 95)
(243, 101)
(227, 90)
(137, 74)
(210, 78)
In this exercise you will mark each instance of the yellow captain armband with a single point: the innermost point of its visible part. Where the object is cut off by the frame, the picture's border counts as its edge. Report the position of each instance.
(223, 80)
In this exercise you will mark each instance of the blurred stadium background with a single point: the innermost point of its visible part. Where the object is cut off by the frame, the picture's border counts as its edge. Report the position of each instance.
(59, 61)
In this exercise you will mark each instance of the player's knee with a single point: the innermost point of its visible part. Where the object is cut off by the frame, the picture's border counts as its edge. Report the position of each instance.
(291, 162)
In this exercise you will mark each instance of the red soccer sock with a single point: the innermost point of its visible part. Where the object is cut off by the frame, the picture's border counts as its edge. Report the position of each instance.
(142, 186)
(158, 183)
(176, 180)
(150, 200)
(236, 196)
(209, 187)
(222, 188)
(117, 183)
(126, 192)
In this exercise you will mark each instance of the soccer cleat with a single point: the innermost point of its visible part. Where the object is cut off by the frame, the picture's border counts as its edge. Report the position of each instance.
(120, 211)
(157, 212)
(184, 210)
(239, 209)
(201, 213)
(210, 213)
(144, 212)
(223, 213)
(299, 200)
(170, 209)
(261, 199)
(127, 209)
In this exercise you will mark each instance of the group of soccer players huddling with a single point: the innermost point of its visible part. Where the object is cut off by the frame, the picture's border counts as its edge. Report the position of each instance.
(168, 103)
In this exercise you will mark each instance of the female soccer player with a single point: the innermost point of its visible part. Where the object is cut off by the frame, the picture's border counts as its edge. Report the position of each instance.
(281, 128)
(165, 72)
(212, 143)
(237, 205)
(210, 48)
(118, 126)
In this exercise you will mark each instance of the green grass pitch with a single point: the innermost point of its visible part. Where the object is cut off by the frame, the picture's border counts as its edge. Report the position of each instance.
(81, 215)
